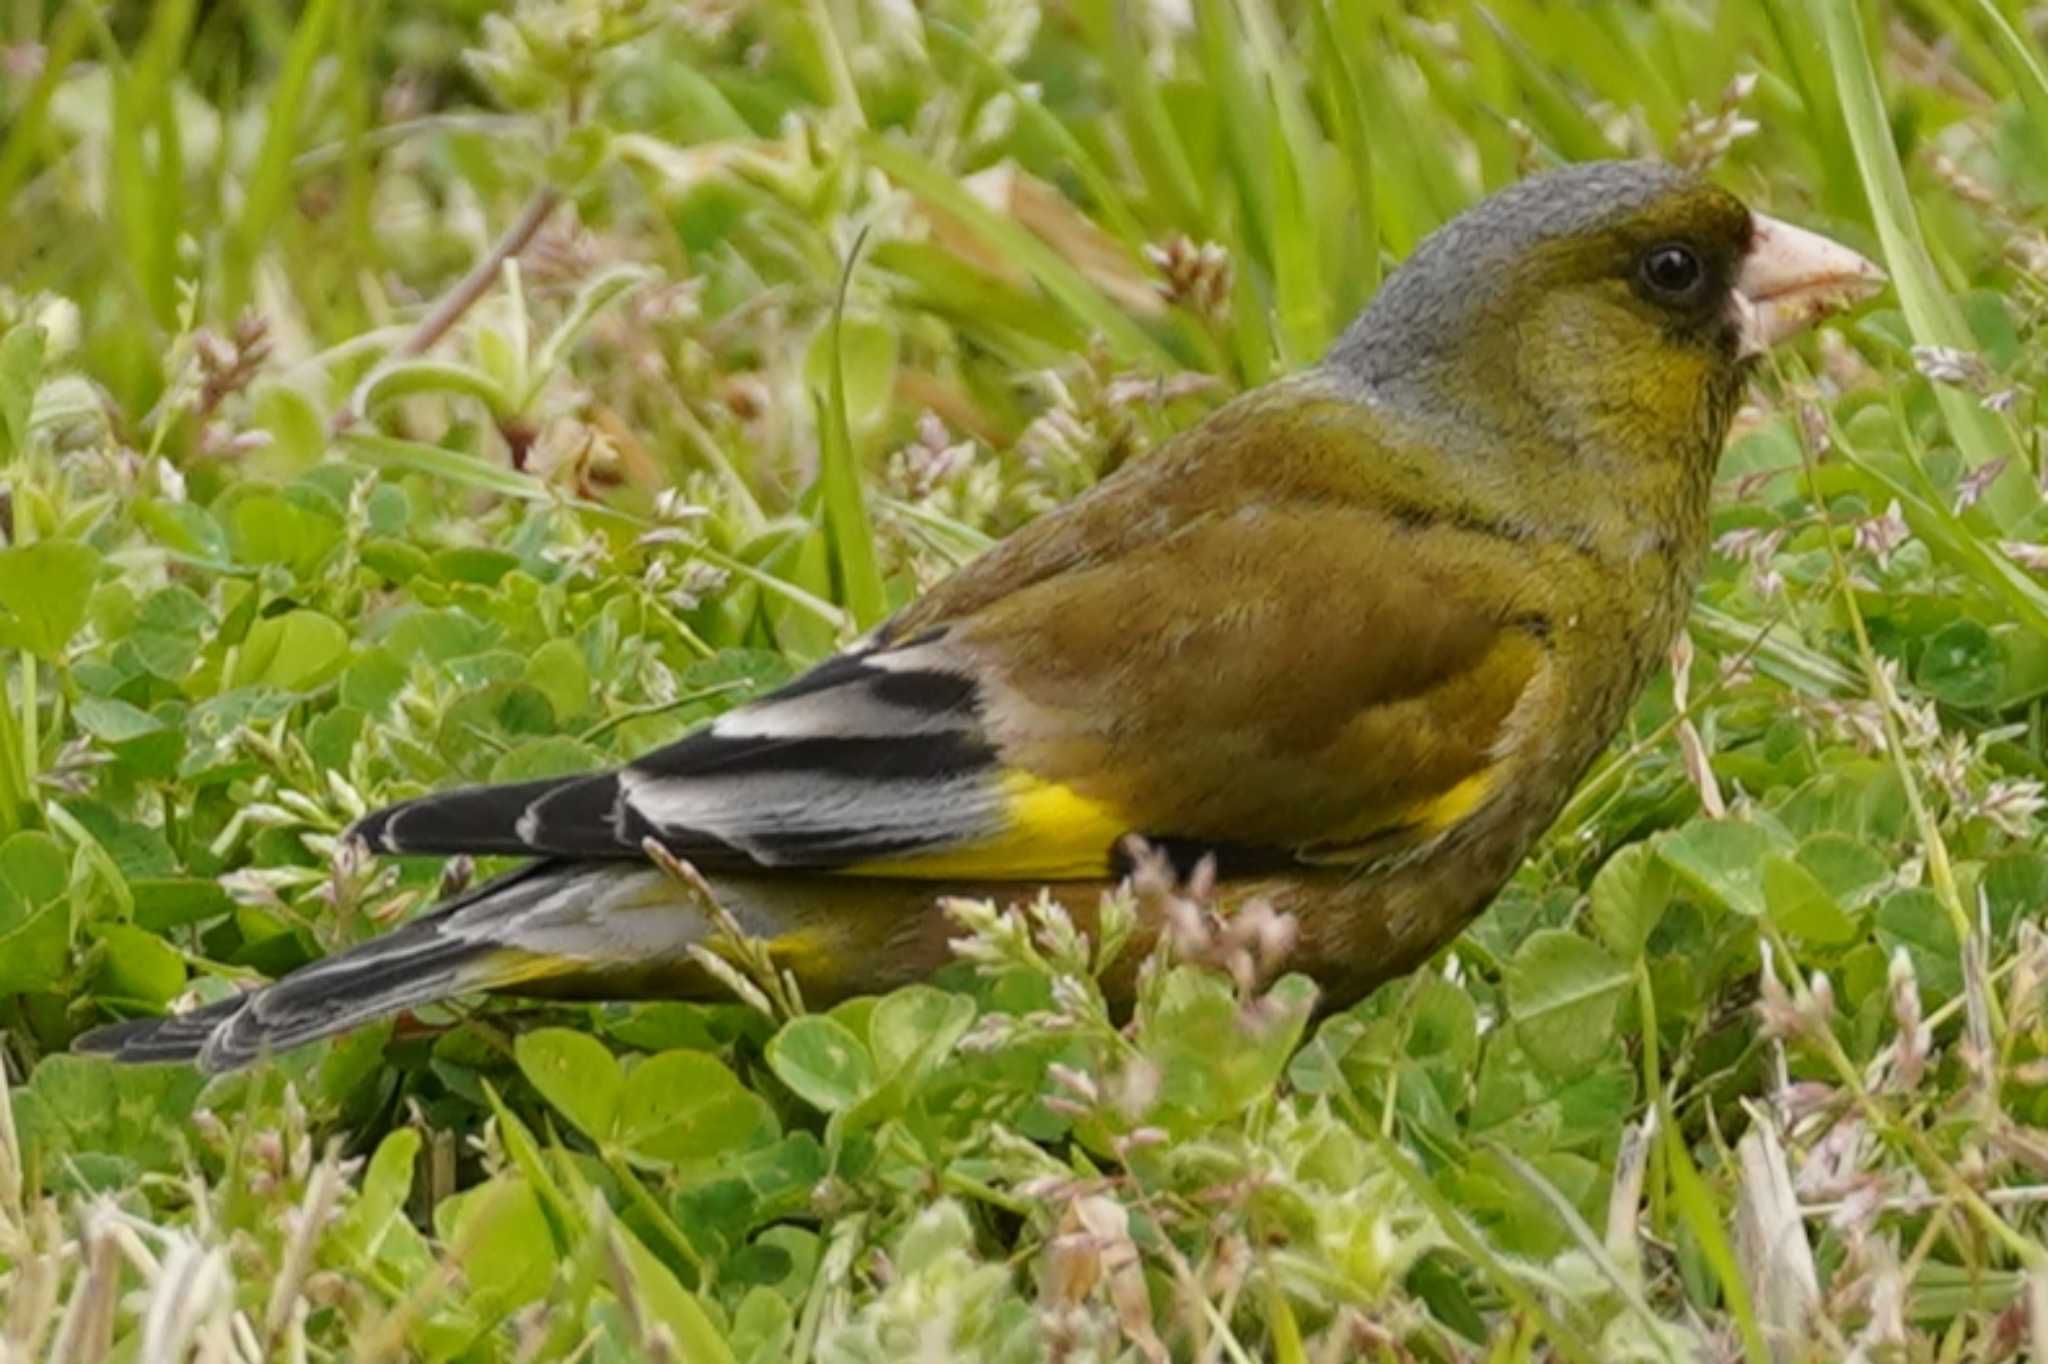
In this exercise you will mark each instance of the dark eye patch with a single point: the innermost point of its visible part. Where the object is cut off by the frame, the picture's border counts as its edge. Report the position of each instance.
(1672, 272)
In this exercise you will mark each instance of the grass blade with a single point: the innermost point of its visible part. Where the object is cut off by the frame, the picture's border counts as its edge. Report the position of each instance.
(1161, 157)
(397, 379)
(1559, 1333)
(1556, 110)
(29, 123)
(1623, 1283)
(2022, 64)
(269, 182)
(1930, 313)
(1804, 57)
(1696, 1209)
(1303, 323)
(846, 513)
(390, 452)
(1246, 114)
(1130, 342)
(597, 293)
(148, 197)
(1338, 84)
(1102, 191)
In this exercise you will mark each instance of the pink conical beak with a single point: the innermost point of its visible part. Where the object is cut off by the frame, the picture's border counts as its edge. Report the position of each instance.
(1793, 278)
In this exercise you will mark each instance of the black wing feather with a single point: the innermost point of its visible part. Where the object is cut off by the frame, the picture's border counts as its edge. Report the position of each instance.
(481, 820)
(860, 757)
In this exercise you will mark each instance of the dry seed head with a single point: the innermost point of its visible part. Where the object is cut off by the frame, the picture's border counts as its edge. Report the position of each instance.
(1919, 721)
(1784, 1014)
(1752, 545)
(1135, 1087)
(1909, 1050)
(1074, 1257)
(1197, 278)
(1705, 138)
(2030, 254)
(2024, 984)
(1859, 722)
(170, 483)
(1948, 763)
(1952, 365)
(2011, 804)
(991, 1032)
(210, 1129)
(931, 461)
(1075, 1082)
(1970, 488)
(1066, 1108)
(1699, 769)
(1130, 390)
(1961, 183)
(229, 364)
(1801, 1100)
(1138, 1139)
(565, 252)
(1881, 536)
(1822, 993)
(674, 505)
(1073, 998)
(1813, 428)
(2027, 554)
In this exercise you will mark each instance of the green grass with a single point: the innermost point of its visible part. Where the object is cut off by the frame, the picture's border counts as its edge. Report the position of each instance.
(395, 395)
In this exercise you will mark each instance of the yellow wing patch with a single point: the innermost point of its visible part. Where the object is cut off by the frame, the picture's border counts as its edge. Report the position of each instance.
(1050, 833)
(1409, 826)
(1441, 812)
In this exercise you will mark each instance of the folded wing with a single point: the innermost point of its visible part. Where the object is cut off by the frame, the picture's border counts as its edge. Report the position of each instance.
(1276, 678)
(878, 752)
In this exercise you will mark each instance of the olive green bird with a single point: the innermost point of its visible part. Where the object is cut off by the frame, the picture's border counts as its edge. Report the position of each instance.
(1355, 636)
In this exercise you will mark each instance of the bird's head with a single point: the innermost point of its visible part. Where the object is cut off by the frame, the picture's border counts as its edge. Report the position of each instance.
(1617, 299)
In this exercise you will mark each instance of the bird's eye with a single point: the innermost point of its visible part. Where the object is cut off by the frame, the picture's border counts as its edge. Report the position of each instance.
(1672, 272)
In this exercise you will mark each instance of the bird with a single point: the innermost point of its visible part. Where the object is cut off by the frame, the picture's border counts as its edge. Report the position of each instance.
(1347, 644)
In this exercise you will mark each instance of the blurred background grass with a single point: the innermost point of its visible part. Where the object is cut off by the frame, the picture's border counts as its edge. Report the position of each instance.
(395, 394)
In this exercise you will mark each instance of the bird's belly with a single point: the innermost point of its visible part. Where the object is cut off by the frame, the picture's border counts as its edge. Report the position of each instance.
(846, 936)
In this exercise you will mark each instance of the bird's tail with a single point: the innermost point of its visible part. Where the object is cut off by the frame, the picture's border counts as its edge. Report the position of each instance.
(471, 945)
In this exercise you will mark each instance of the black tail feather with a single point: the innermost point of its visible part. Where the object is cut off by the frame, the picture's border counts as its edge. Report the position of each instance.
(411, 967)
(479, 820)
(178, 1037)
(459, 949)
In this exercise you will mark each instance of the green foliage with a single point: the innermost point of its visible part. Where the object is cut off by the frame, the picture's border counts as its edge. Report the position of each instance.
(399, 395)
